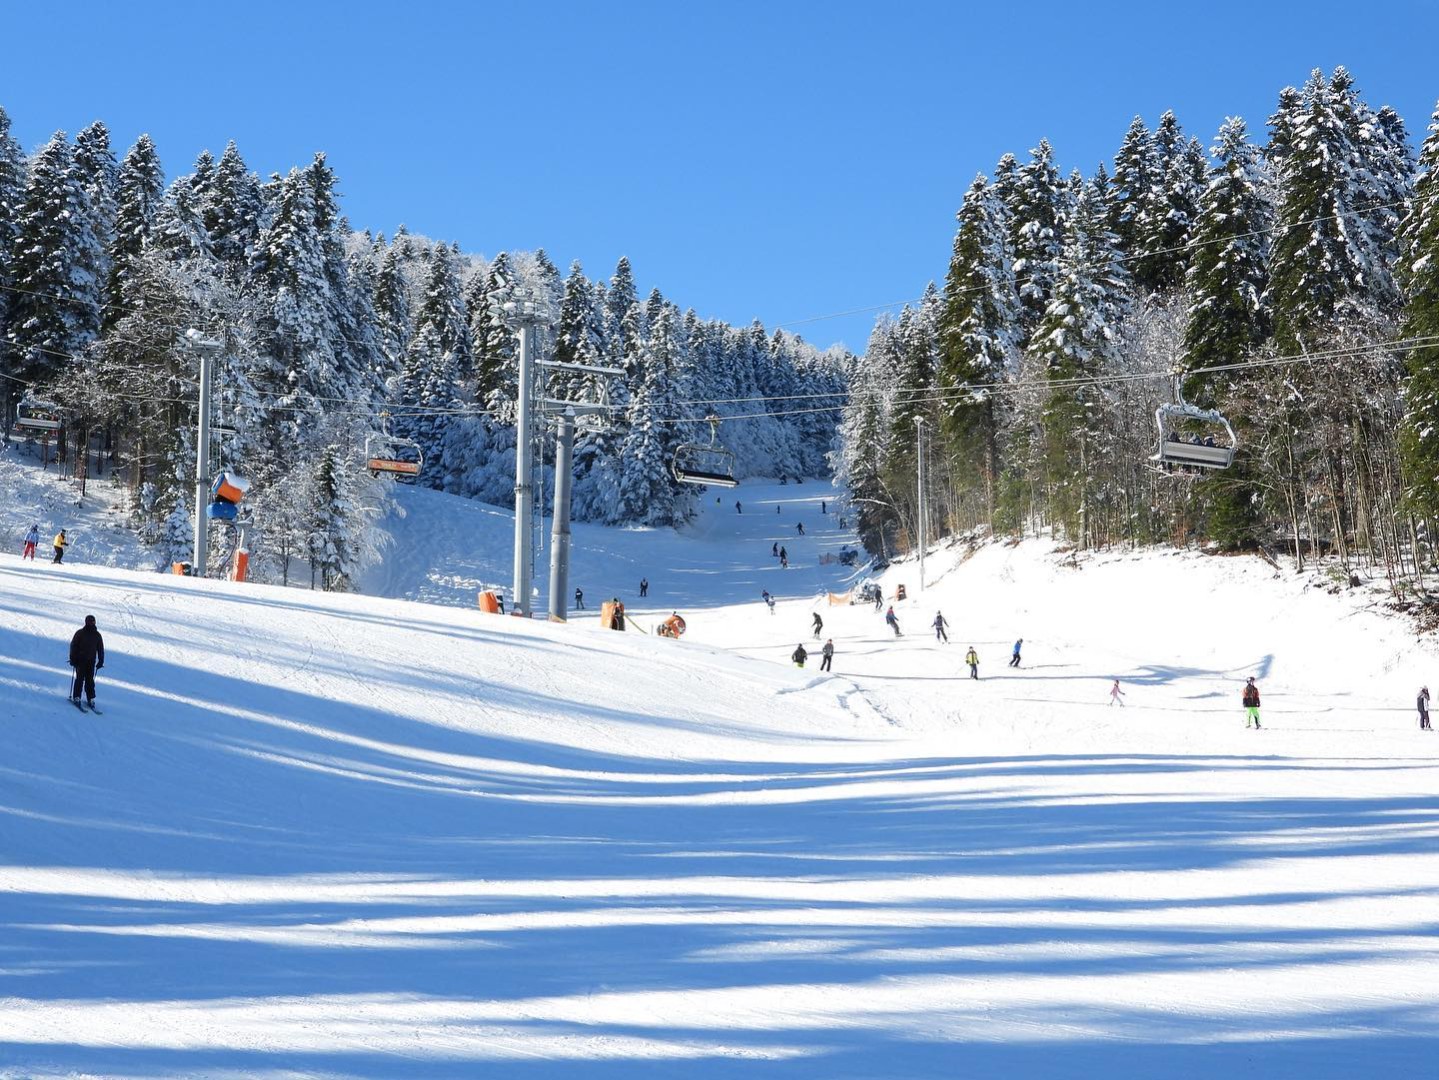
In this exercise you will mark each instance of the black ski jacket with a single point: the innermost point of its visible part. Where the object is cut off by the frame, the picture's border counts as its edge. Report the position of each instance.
(87, 647)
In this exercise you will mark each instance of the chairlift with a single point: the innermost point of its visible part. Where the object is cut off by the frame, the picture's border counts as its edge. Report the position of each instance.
(36, 417)
(1188, 437)
(698, 463)
(391, 455)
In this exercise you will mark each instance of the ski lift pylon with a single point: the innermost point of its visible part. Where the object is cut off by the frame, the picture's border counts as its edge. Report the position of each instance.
(698, 463)
(1181, 442)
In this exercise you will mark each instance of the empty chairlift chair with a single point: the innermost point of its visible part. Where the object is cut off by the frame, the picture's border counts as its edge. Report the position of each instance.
(711, 464)
(389, 455)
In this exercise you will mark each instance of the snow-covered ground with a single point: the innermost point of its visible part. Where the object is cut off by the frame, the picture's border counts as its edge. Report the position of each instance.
(347, 836)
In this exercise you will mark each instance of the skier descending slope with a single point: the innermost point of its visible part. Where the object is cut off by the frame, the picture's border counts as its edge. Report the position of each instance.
(892, 620)
(87, 655)
(940, 622)
(818, 625)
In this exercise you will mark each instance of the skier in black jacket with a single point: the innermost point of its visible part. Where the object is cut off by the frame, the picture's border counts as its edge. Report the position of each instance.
(87, 656)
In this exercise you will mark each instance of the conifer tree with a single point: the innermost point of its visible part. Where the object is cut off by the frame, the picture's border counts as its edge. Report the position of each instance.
(647, 492)
(1137, 171)
(1036, 232)
(1228, 272)
(12, 198)
(138, 194)
(1318, 271)
(57, 264)
(392, 310)
(1419, 272)
(977, 334)
(233, 213)
(1077, 340)
(99, 174)
(495, 343)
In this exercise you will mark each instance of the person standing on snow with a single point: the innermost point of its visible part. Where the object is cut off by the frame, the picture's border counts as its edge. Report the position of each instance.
(1014, 660)
(60, 545)
(31, 539)
(939, 624)
(799, 656)
(579, 599)
(1116, 694)
(783, 554)
(644, 586)
(1251, 704)
(878, 598)
(738, 509)
(768, 599)
(828, 655)
(1424, 709)
(818, 625)
(823, 507)
(800, 527)
(892, 620)
(972, 659)
(87, 656)
(774, 549)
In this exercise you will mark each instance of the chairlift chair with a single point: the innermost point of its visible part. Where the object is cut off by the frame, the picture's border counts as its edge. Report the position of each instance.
(700, 463)
(1192, 450)
(36, 417)
(401, 458)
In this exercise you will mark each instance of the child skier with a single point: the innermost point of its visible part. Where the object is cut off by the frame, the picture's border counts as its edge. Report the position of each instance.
(1251, 704)
(31, 539)
(972, 659)
(1116, 694)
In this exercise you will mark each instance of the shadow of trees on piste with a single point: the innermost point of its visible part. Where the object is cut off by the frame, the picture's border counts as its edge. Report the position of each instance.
(194, 885)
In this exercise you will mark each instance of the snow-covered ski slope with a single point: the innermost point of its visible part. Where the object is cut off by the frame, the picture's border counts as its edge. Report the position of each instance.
(341, 836)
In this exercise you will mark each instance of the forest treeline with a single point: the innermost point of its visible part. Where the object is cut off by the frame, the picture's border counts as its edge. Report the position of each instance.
(1292, 283)
(334, 338)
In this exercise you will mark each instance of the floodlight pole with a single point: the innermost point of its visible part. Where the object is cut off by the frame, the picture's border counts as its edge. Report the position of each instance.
(206, 349)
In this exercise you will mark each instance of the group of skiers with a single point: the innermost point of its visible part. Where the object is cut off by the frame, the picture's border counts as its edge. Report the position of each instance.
(32, 540)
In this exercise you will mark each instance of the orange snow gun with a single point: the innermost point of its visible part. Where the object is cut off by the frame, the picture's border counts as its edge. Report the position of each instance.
(229, 488)
(672, 627)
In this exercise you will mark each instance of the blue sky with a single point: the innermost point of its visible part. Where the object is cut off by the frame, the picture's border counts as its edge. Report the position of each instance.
(775, 160)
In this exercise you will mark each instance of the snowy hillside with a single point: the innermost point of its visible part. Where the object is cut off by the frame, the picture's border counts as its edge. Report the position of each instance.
(344, 836)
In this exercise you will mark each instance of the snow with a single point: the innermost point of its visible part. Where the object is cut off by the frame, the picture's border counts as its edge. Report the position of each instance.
(357, 836)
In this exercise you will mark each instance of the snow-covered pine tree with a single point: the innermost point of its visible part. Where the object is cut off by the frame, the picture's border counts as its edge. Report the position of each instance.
(1323, 264)
(1161, 255)
(1036, 232)
(178, 230)
(1077, 340)
(916, 343)
(99, 173)
(1229, 269)
(647, 492)
(495, 343)
(1419, 273)
(233, 213)
(977, 337)
(138, 195)
(1137, 171)
(332, 543)
(57, 264)
(392, 310)
(12, 198)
